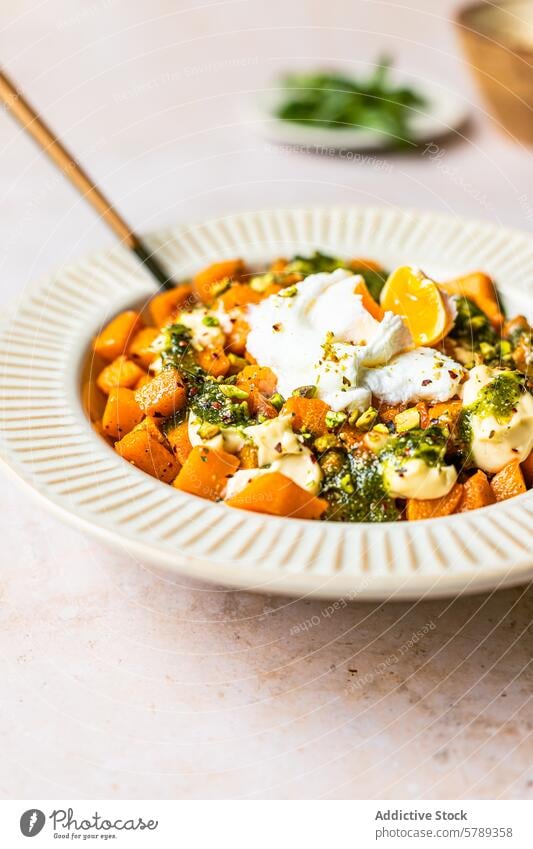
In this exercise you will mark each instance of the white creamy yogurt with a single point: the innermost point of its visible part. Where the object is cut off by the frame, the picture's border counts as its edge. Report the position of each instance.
(300, 468)
(495, 444)
(414, 479)
(203, 335)
(278, 450)
(419, 375)
(321, 336)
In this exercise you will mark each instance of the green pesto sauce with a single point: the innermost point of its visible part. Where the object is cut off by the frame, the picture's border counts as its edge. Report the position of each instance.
(427, 444)
(354, 489)
(178, 352)
(210, 404)
(472, 327)
(317, 262)
(498, 398)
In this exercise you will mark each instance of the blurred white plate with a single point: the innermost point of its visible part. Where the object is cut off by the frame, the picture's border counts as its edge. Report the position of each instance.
(444, 114)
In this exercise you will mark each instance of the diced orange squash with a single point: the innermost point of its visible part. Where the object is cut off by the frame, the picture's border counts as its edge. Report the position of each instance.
(164, 395)
(446, 411)
(508, 482)
(257, 377)
(365, 264)
(205, 282)
(431, 508)
(115, 338)
(388, 414)
(146, 378)
(480, 289)
(261, 406)
(308, 414)
(122, 413)
(121, 372)
(140, 346)
(527, 470)
(240, 295)
(277, 495)
(147, 452)
(214, 361)
(369, 303)
(279, 265)
(248, 457)
(163, 305)
(272, 289)
(477, 492)
(237, 337)
(178, 438)
(206, 472)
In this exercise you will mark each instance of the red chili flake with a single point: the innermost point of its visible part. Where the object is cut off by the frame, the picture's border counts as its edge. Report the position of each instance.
(427, 381)
(452, 374)
(278, 447)
(277, 327)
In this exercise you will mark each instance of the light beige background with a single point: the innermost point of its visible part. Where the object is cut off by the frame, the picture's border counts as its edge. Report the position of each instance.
(117, 682)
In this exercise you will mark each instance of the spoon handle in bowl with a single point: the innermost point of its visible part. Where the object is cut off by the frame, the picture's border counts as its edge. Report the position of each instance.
(34, 125)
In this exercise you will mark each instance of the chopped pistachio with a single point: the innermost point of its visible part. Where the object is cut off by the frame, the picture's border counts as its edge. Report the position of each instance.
(210, 321)
(334, 419)
(208, 430)
(233, 391)
(237, 363)
(328, 440)
(220, 286)
(306, 391)
(261, 282)
(277, 400)
(487, 351)
(346, 484)
(381, 428)
(407, 420)
(354, 415)
(289, 292)
(367, 419)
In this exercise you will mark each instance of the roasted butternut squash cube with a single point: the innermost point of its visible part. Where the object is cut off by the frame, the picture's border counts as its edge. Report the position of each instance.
(147, 452)
(162, 306)
(116, 336)
(140, 350)
(122, 413)
(206, 472)
(477, 493)
(178, 438)
(277, 495)
(431, 508)
(308, 414)
(121, 372)
(205, 283)
(164, 395)
(508, 482)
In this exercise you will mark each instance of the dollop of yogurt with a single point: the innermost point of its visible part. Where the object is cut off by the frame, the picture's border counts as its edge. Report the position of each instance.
(319, 333)
(498, 441)
(415, 479)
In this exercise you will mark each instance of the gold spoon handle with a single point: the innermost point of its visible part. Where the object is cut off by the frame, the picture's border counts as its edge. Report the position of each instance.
(34, 125)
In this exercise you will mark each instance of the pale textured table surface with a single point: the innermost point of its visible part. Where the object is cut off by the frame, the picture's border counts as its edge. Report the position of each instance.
(117, 682)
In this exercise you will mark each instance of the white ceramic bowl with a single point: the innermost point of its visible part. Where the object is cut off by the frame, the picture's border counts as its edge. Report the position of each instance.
(46, 440)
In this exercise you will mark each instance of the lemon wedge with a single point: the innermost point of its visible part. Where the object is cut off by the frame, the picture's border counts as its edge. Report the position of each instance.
(421, 304)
